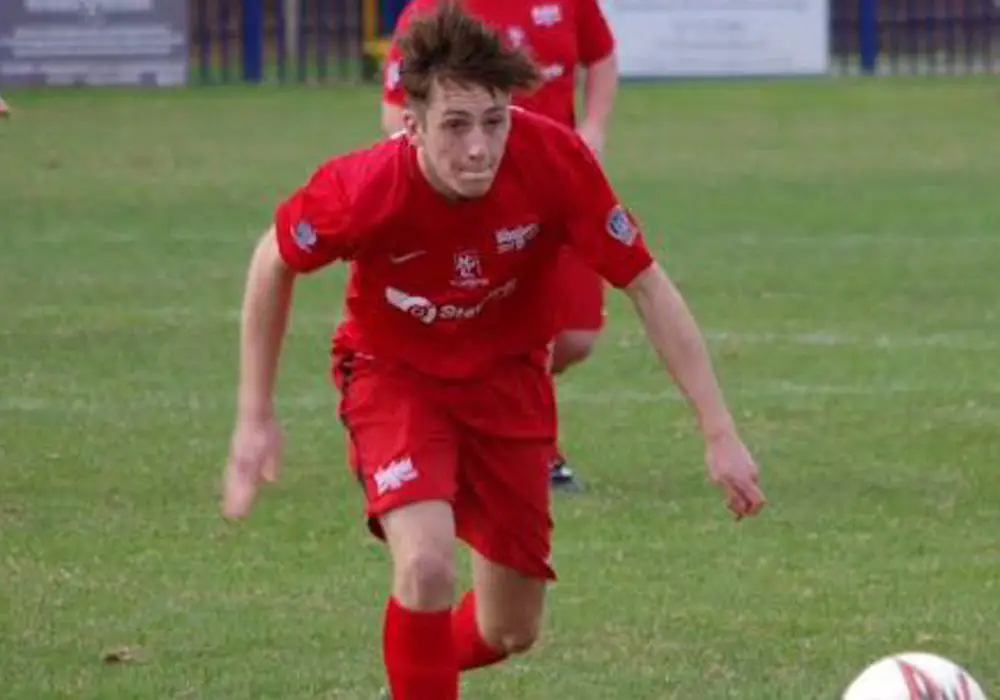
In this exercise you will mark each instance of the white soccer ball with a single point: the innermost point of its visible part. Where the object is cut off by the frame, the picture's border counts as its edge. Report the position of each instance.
(914, 676)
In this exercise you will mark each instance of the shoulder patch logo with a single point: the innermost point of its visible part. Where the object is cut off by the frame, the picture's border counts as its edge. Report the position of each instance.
(620, 226)
(305, 236)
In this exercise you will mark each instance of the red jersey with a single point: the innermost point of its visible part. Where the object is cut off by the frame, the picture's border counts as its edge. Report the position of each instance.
(453, 287)
(561, 36)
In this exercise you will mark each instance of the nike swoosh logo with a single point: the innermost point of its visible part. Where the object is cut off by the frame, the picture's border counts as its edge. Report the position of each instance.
(397, 259)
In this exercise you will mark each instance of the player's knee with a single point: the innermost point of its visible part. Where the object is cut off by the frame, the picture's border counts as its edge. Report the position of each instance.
(572, 348)
(425, 580)
(520, 640)
(421, 538)
(513, 638)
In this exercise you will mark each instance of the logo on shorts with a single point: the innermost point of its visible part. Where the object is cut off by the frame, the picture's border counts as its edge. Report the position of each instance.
(394, 475)
(620, 226)
(468, 270)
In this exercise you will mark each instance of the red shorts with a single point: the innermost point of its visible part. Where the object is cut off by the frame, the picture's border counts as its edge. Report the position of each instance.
(484, 446)
(581, 297)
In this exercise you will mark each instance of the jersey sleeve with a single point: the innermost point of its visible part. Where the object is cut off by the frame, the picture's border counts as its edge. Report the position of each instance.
(597, 225)
(314, 226)
(595, 41)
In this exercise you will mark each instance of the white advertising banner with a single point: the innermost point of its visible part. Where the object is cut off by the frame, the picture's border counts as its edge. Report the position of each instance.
(718, 38)
(93, 42)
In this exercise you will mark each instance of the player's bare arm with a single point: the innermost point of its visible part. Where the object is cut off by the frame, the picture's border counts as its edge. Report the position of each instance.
(392, 118)
(678, 341)
(600, 90)
(674, 333)
(255, 453)
(393, 101)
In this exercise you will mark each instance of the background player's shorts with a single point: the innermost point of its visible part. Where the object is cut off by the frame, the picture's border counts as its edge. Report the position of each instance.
(483, 446)
(581, 294)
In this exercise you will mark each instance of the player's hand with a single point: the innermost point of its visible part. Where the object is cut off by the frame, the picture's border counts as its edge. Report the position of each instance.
(731, 467)
(593, 137)
(254, 459)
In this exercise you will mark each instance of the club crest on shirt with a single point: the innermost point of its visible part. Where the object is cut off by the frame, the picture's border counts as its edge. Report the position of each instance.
(620, 226)
(468, 270)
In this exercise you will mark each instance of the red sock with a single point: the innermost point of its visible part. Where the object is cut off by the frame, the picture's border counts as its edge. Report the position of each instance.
(470, 647)
(419, 654)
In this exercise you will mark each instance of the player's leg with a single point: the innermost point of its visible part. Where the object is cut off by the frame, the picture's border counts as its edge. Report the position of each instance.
(418, 647)
(580, 313)
(580, 320)
(404, 452)
(503, 512)
(500, 616)
(573, 347)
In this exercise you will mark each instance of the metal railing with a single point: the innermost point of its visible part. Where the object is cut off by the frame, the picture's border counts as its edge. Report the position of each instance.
(337, 40)
(917, 37)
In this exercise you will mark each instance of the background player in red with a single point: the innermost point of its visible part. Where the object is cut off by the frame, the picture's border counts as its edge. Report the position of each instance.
(564, 37)
(451, 230)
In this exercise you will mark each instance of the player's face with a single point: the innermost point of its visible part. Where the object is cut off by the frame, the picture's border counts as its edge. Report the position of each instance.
(461, 133)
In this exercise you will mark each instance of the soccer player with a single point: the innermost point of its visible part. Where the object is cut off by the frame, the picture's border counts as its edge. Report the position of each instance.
(565, 38)
(4, 108)
(452, 230)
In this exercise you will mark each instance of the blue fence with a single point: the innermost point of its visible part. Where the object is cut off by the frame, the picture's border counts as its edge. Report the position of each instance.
(280, 40)
(892, 37)
(333, 40)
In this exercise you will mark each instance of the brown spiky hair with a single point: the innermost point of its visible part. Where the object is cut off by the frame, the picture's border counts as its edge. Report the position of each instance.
(448, 45)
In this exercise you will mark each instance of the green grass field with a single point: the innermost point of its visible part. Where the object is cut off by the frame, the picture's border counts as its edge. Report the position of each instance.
(839, 241)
